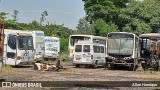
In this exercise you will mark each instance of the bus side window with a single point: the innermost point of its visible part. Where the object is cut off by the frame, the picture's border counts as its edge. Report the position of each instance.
(12, 42)
(102, 49)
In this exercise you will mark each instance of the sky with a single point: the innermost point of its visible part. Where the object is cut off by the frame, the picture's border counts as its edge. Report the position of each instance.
(66, 12)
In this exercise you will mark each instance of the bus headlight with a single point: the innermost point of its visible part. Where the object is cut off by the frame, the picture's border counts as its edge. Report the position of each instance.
(109, 57)
(127, 58)
(113, 58)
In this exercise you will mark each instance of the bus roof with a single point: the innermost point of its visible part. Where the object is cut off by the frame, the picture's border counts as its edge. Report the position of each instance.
(87, 42)
(125, 33)
(150, 35)
(21, 32)
(78, 35)
(122, 33)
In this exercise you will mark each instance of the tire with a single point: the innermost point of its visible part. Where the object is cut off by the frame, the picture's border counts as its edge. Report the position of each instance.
(95, 65)
(144, 66)
(156, 68)
(77, 65)
(35, 67)
(1, 65)
(133, 67)
(113, 67)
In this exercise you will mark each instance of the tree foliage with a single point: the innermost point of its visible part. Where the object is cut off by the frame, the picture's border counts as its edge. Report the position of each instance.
(141, 17)
(104, 9)
(49, 29)
(43, 15)
(125, 15)
(83, 25)
(102, 28)
(15, 15)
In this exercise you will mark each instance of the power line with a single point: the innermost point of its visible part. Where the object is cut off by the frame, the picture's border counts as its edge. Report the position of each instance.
(49, 12)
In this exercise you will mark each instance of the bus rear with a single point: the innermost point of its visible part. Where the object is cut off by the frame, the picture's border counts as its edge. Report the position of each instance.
(89, 54)
(39, 44)
(52, 47)
(74, 39)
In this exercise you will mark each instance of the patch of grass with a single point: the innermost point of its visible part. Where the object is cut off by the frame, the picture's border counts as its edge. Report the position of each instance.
(139, 68)
(7, 69)
(63, 56)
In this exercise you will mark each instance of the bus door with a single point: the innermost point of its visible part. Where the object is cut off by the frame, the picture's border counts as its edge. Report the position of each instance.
(86, 54)
(78, 53)
(10, 49)
(102, 54)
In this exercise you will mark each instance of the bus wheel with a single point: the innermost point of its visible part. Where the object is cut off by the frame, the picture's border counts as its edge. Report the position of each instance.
(133, 67)
(156, 68)
(95, 65)
(77, 65)
(144, 66)
(113, 67)
(1, 65)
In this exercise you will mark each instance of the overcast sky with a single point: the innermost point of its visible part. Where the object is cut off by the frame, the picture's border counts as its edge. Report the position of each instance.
(66, 12)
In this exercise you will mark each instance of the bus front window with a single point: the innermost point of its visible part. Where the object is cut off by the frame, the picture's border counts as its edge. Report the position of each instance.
(25, 42)
(120, 44)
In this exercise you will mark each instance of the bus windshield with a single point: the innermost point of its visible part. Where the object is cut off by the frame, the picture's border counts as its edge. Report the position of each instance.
(25, 42)
(121, 44)
(75, 39)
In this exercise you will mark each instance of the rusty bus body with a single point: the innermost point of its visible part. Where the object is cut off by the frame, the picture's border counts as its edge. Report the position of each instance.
(150, 50)
(1, 42)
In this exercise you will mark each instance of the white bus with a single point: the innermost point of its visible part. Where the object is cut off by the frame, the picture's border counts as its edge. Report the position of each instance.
(123, 48)
(39, 44)
(52, 47)
(86, 53)
(18, 47)
(75, 38)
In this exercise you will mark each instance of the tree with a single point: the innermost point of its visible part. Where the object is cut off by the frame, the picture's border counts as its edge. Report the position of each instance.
(83, 25)
(103, 9)
(141, 17)
(64, 44)
(43, 15)
(15, 15)
(3, 15)
(102, 28)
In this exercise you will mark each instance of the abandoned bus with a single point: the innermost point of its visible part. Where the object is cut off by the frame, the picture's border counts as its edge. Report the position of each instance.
(150, 50)
(122, 49)
(1, 42)
(18, 47)
(39, 44)
(52, 47)
(75, 38)
(86, 53)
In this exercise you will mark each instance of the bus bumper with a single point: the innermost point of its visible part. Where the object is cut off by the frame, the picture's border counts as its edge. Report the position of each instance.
(25, 63)
(120, 61)
(83, 63)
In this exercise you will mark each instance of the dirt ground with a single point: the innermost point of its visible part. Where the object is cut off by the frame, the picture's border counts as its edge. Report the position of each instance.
(70, 73)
